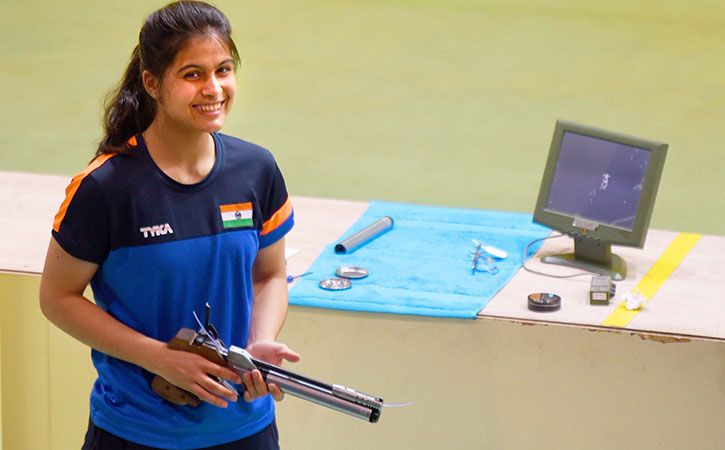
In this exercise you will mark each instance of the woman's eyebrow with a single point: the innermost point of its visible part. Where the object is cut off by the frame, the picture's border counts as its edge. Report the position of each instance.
(199, 66)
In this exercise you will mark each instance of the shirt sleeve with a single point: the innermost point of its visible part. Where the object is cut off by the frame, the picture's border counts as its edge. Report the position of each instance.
(81, 224)
(277, 211)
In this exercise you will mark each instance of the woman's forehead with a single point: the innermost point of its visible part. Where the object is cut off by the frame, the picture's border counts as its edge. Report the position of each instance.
(203, 50)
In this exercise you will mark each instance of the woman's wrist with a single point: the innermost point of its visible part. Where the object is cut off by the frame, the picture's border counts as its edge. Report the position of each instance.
(150, 355)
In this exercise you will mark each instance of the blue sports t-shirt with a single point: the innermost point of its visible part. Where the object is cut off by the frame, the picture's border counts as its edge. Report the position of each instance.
(164, 250)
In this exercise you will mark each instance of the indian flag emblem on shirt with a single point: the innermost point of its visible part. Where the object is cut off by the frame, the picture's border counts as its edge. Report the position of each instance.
(236, 215)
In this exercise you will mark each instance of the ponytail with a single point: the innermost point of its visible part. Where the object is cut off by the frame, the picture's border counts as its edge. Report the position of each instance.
(128, 110)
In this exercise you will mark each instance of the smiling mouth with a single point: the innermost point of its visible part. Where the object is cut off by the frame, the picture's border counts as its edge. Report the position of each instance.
(212, 108)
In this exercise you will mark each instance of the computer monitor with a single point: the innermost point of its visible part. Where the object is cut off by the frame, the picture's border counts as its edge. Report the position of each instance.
(599, 187)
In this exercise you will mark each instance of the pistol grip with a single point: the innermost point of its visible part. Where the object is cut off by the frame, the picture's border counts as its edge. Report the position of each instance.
(183, 341)
(173, 394)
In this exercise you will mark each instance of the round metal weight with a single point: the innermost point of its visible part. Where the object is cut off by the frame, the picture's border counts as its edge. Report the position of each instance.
(335, 284)
(353, 273)
(544, 302)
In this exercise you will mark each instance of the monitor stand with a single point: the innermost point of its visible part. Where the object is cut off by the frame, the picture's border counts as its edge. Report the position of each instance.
(591, 255)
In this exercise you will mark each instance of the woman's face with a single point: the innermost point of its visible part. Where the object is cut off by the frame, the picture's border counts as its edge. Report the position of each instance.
(198, 87)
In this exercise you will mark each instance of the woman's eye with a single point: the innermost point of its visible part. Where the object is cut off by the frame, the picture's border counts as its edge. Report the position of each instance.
(191, 75)
(225, 70)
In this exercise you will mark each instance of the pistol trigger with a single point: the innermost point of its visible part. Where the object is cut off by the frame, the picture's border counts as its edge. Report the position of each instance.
(228, 385)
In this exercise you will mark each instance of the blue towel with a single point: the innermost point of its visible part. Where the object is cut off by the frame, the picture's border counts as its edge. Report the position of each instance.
(422, 266)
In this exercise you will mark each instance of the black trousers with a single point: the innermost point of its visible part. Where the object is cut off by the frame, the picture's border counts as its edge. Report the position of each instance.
(99, 439)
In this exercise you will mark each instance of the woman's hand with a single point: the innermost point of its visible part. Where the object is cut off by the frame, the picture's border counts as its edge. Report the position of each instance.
(271, 352)
(197, 375)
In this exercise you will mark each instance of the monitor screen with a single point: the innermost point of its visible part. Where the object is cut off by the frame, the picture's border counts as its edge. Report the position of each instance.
(598, 180)
(599, 187)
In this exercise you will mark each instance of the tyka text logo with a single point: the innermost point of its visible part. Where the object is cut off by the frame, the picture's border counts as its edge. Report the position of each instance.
(156, 230)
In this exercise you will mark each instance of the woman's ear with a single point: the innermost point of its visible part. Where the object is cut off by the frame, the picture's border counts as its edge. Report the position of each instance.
(151, 84)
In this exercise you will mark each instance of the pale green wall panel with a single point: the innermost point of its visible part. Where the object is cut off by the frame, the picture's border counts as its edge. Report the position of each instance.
(443, 102)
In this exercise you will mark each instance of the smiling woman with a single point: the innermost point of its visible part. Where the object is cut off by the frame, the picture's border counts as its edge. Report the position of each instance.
(168, 52)
(197, 90)
(193, 97)
(157, 195)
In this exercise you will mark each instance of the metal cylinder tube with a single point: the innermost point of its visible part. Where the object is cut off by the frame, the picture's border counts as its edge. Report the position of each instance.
(365, 235)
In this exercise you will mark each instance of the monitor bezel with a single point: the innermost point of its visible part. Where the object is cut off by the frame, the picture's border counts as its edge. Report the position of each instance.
(605, 232)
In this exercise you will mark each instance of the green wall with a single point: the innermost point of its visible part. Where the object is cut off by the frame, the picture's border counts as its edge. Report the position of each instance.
(439, 102)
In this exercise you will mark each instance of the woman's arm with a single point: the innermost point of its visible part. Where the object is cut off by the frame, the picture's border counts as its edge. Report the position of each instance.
(269, 311)
(62, 302)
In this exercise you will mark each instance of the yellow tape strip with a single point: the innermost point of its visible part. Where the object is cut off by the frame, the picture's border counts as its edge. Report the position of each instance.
(656, 277)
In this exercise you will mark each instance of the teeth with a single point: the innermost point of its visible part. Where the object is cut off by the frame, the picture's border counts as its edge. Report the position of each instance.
(210, 108)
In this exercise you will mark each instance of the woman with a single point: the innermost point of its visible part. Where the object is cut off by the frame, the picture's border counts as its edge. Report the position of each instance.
(169, 216)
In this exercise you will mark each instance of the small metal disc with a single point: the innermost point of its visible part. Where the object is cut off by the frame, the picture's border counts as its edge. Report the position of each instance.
(353, 273)
(544, 302)
(335, 284)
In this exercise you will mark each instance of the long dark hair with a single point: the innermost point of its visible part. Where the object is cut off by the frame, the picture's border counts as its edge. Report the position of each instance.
(129, 109)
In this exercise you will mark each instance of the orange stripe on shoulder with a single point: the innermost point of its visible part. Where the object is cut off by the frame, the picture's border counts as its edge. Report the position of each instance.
(278, 217)
(72, 188)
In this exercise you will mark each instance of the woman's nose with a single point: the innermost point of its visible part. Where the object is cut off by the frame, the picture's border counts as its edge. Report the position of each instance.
(212, 88)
